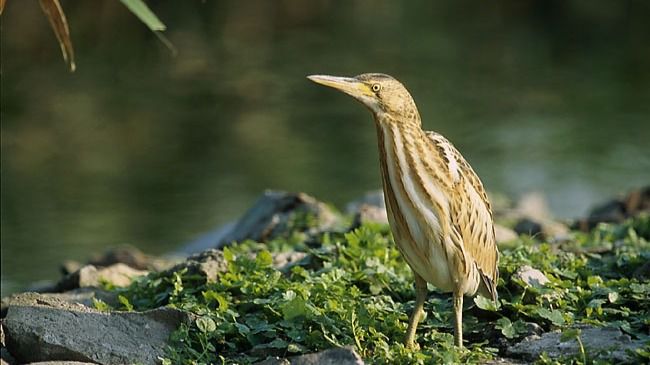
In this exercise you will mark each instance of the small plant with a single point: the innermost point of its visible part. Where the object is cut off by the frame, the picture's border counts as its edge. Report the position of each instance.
(356, 290)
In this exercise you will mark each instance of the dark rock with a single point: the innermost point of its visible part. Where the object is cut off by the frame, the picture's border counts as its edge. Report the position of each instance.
(90, 276)
(5, 356)
(209, 264)
(274, 214)
(595, 341)
(335, 356)
(617, 210)
(528, 226)
(40, 328)
(643, 271)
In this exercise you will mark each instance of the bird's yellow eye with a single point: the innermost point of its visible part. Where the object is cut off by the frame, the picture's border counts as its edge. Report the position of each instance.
(375, 87)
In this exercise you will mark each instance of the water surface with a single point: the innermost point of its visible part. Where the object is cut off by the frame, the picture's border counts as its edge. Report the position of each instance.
(142, 147)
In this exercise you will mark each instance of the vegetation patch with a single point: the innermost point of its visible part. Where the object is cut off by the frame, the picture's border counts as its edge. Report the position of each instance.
(355, 289)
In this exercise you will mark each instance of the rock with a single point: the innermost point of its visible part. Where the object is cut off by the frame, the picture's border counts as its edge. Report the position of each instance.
(209, 264)
(130, 256)
(504, 361)
(642, 272)
(90, 276)
(276, 213)
(207, 240)
(369, 214)
(61, 363)
(370, 208)
(40, 328)
(528, 226)
(594, 339)
(334, 356)
(617, 210)
(530, 276)
(286, 260)
(125, 254)
(504, 234)
(5, 356)
(545, 229)
(533, 218)
(83, 296)
(374, 198)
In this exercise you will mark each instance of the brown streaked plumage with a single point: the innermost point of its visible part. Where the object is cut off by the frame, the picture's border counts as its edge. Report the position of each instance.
(437, 208)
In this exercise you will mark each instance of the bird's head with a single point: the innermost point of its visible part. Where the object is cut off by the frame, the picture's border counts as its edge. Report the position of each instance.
(381, 93)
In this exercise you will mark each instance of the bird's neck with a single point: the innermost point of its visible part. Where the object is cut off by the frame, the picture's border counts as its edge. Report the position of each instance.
(398, 137)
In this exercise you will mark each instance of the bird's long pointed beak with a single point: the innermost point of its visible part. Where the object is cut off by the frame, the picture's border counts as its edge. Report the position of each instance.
(348, 85)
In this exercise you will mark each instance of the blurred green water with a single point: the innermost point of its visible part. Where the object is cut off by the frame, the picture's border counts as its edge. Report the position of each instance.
(141, 147)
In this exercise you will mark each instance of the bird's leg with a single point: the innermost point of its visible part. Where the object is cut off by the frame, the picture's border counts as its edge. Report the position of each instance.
(420, 298)
(458, 316)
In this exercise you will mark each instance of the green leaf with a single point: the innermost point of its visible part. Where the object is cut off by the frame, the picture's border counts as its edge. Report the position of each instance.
(555, 316)
(211, 295)
(264, 259)
(101, 305)
(570, 334)
(142, 11)
(125, 302)
(506, 327)
(294, 308)
(206, 324)
(485, 303)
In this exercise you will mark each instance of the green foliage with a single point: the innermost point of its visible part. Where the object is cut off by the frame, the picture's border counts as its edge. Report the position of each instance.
(356, 290)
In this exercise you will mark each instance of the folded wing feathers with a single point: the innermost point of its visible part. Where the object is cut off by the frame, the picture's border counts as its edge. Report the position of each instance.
(471, 216)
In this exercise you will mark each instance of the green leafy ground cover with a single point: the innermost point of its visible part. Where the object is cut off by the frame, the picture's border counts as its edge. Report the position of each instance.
(355, 289)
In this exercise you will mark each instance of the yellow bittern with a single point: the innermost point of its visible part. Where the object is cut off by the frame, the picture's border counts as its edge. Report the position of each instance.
(438, 211)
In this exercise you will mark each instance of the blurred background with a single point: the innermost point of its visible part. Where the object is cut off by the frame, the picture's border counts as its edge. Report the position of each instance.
(140, 146)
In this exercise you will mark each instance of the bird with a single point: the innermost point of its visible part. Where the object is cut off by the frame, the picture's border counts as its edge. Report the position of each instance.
(438, 210)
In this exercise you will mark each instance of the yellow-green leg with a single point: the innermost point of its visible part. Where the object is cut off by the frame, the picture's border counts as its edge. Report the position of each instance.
(458, 316)
(418, 310)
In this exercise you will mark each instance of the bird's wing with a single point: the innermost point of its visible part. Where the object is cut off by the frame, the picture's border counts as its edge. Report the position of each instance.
(471, 213)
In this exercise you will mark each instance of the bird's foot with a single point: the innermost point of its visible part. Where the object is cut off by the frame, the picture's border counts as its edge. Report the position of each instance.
(412, 345)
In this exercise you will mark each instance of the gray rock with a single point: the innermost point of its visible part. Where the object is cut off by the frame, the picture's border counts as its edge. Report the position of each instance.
(335, 356)
(504, 361)
(40, 328)
(61, 363)
(90, 276)
(5, 357)
(272, 214)
(595, 341)
(83, 296)
(530, 276)
(286, 260)
(209, 264)
(374, 198)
